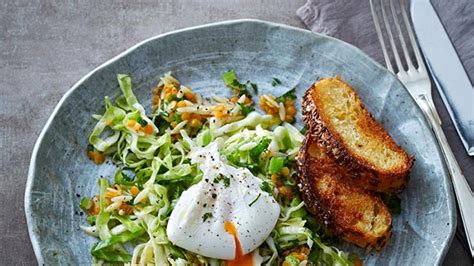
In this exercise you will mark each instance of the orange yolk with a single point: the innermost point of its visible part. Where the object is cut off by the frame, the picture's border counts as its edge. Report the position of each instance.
(240, 259)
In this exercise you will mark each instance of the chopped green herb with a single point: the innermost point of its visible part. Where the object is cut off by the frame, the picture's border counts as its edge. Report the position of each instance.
(304, 130)
(177, 118)
(255, 200)
(85, 203)
(206, 216)
(234, 158)
(246, 109)
(266, 187)
(230, 80)
(174, 98)
(162, 125)
(91, 219)
(175, 252)
(275, 82)
(177, 192)
(226, 181)
(121, 178)
(220, 178)
(289, 95)
(229, 77)
(254, 87)
(142, 121)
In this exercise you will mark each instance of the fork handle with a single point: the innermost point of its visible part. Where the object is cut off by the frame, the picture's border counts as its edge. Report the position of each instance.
(464, 195)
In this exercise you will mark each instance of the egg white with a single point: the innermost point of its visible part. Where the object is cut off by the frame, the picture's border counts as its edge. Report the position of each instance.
(241, 201)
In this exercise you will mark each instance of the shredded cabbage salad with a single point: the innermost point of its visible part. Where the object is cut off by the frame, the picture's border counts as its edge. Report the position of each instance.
(128, 215)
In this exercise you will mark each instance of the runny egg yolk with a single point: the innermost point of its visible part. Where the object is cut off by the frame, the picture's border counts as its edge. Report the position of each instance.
(240, 259)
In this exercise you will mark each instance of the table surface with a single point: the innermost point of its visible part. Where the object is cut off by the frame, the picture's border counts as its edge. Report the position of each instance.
(46, 46)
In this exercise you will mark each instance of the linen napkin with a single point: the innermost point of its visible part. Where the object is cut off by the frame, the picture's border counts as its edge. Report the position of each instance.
(351, 21)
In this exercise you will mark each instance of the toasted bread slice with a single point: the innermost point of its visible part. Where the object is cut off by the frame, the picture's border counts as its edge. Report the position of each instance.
(349, 211)
(336, 116)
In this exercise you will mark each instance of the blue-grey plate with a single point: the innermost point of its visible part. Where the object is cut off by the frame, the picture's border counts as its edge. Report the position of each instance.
(60, 170)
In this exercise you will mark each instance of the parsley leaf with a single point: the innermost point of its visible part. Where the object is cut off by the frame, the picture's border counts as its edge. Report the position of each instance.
(226, 181)
(85, 203)
(230, 80)
(246, 109)
(289, 95)
(234, 158)
(266, 187)
(177, 118)
(206, 216)
(304, 130)
(220, 178)
(275, 82)
(254, 87)
(174, 98)
(255, 200)
(142, 121)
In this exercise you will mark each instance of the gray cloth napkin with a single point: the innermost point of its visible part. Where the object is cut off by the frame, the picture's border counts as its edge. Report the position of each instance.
(351, 21)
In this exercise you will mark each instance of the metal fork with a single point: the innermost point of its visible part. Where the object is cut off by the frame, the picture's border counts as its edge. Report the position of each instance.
(417, 82)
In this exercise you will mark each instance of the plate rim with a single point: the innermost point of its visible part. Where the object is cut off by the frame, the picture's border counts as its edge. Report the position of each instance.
(32, 166)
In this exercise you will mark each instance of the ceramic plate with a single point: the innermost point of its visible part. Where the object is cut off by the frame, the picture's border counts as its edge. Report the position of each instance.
(60, 171)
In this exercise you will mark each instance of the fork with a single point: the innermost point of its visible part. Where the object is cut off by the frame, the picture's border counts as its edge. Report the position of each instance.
(418, 84)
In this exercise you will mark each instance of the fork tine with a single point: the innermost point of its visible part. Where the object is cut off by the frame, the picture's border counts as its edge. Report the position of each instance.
(392, 40)
(416, 49)
(380, 36)
(400, 35)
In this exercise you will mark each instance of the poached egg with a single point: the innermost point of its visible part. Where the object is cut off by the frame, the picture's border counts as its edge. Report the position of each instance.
(226, 215)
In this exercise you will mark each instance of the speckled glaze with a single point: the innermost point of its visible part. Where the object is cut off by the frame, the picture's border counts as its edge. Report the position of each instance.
(60, 172)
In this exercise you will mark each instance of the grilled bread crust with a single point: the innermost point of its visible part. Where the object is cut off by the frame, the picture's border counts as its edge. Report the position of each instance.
(359, 160)
(353, 213)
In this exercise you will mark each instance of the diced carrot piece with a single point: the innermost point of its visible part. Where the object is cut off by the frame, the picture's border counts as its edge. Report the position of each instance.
(358, 262)
(291, 110)
(195, 123)
(148, 129)
(131, 123)
(196, 116)
(127, 209)
(95, 156)
(156, 99)
(285, 192)
(186, 116)
(247, 100)
(134, 191)
(276, 180)
(189, 96)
